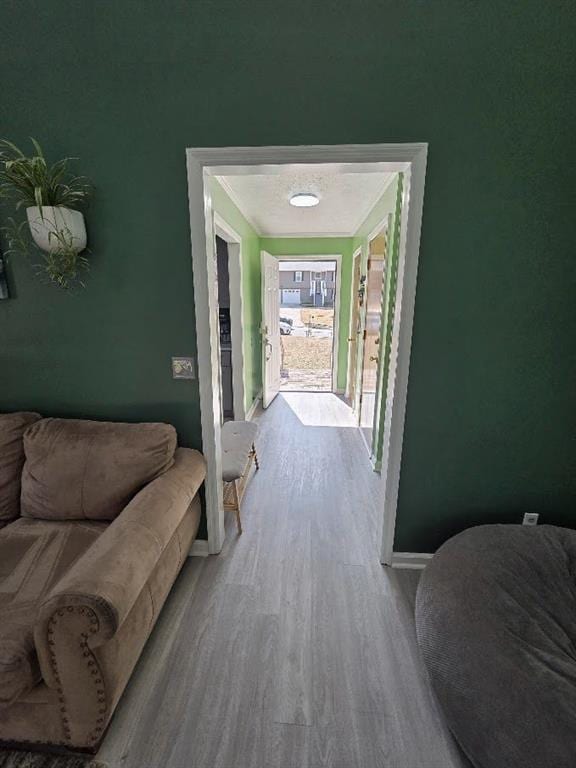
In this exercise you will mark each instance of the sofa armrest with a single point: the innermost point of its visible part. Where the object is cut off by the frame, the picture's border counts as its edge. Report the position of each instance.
(107, 579)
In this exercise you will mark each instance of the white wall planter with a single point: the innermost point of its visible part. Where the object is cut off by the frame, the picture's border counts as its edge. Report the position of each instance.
(65, 222)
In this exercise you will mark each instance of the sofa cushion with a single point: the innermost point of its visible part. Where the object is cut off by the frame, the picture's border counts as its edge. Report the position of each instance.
(34, 555)
(12, 428)
(88, 469)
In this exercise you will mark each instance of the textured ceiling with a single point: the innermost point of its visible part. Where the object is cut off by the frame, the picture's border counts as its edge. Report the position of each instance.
(345, 200)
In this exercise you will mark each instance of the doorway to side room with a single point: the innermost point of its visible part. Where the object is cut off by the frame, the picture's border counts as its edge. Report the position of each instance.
(225, 334)
(229, 325)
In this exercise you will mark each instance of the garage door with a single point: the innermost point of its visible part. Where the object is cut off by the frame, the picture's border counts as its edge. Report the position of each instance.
(291, 296)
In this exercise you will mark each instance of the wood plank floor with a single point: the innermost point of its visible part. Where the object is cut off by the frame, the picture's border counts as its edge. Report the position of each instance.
(294, 648)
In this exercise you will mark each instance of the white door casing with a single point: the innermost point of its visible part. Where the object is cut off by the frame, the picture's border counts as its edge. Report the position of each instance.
(271, 352)
(207, 161)
(234, 241)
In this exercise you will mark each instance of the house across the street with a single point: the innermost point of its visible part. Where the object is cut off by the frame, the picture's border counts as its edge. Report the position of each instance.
(307, 284)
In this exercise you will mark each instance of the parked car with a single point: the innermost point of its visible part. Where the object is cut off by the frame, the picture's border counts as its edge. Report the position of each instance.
(285, 328)
(288, 320)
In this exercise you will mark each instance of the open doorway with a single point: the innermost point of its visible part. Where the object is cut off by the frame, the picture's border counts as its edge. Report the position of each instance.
(225, 326)
(308, 307)
(228, 316)
(300, 326)
(260, 184)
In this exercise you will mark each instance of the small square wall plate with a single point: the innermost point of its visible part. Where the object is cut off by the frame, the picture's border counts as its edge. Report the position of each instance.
(183, 368)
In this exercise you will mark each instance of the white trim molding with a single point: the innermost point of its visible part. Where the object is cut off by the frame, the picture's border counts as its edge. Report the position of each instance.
(399, 363)
(234, 242)
(358, 158)
(356, 261)
(199, 548)
(412, 560)
(252, 410)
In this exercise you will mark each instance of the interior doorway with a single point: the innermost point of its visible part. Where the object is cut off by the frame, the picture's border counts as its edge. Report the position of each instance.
(225, 335)
(375, 281)
(264, 170)
(229, 325)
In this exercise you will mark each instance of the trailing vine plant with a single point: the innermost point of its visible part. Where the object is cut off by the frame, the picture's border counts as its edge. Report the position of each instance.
(29, 181)
(63, 267)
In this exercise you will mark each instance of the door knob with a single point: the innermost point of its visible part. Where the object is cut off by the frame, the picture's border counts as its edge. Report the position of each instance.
(374, 358)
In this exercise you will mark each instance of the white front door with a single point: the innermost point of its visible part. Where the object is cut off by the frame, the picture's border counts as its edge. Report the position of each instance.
(271, 354)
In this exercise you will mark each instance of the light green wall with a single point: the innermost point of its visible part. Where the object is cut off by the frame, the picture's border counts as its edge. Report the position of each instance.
(252, 244)
(251, 297)
(323, 246)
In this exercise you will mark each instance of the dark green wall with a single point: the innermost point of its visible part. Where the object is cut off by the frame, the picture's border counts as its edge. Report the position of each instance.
(491, 421)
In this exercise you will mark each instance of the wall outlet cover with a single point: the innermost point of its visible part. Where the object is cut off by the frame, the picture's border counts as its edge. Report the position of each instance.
(530, 518)
(183, 368)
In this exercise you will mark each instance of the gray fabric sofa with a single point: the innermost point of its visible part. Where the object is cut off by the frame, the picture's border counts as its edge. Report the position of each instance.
(496, 625)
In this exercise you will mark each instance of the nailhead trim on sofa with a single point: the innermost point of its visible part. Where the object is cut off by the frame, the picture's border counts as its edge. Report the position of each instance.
(93, 669)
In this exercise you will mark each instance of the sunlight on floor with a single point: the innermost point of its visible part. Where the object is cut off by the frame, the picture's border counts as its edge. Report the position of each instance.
(319, 409)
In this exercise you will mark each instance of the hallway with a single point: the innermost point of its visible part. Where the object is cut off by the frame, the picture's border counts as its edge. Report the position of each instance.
(294, 648)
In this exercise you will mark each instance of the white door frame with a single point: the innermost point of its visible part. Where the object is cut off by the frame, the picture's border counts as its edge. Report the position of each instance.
(381, 227)
(270, 328)
(234, 241)
(407, 158)
(356, 257)
(337, 257)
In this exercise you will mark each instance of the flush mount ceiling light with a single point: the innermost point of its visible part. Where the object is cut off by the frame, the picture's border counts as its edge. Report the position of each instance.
(304, 200)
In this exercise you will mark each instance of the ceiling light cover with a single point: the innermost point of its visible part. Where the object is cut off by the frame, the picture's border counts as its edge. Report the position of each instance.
(304, 200)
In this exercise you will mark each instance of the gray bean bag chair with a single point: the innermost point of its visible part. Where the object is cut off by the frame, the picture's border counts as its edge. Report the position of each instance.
(496, 624)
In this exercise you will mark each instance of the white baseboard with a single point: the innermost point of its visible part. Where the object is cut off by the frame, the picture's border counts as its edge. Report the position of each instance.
(411, 559)
(199, 548)
(252, 409)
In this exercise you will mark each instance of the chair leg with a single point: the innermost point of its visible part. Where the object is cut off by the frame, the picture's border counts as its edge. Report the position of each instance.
(237, 510)
(255, 456)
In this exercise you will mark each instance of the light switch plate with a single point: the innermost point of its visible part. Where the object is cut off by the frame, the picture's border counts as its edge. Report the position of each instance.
(183, 368)
(530, 518)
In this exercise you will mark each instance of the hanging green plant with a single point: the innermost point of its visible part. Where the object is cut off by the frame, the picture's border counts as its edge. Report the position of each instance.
(63, 265)
(29, 181)
(53, 236)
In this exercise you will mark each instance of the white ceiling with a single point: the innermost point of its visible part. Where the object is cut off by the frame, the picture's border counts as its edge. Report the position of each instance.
(345, 200)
